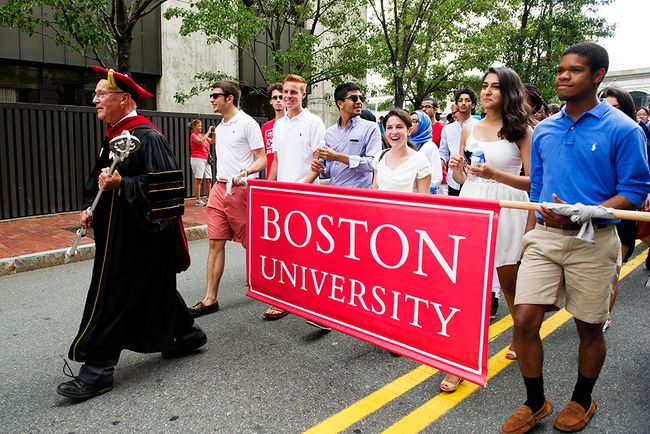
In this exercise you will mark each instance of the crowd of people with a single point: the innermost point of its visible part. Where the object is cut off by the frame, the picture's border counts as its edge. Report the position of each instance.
(592, 150)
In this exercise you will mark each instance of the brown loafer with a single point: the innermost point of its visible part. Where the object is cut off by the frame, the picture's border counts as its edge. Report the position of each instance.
(201, 309)
(573, 416)
(523, 420)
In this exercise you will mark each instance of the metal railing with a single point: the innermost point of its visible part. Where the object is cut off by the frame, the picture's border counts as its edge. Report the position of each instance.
(47, 151)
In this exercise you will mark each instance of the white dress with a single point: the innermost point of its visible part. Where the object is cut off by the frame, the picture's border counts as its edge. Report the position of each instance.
(505, 156)
(403, 177)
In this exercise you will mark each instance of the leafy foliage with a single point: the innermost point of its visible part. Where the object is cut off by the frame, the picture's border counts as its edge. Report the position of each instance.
(320, 40)
(429, 48)
(531, 35)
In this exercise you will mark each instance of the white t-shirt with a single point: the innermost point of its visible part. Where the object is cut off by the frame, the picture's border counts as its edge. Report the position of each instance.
(430, 150)
(294, 141)
(403, 177)
(234, 142)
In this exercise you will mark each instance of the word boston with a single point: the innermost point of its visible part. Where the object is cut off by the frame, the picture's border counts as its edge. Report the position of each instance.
(407, 272)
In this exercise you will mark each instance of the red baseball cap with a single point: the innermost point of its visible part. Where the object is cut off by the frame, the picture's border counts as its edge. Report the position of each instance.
(123, 81)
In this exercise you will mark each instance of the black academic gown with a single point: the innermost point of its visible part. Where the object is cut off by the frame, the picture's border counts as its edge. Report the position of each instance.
(132, 301)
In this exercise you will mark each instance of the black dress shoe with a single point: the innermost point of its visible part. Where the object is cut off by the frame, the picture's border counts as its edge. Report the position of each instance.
(201, 309)
(80, 390)
(187, 344)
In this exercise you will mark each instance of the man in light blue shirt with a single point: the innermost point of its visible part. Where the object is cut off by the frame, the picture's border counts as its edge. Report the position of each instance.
(450, 137)
(350, 144)
(591, 153)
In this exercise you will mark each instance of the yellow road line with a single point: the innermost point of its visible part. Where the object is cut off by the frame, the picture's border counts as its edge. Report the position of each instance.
(376, 400)
(430, 411)
(381, 397)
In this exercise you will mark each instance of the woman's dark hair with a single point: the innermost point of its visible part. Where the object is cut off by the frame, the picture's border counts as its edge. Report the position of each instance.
(367, 115)
(647, 112)
(405, 117)
(534, 99)
(625, 100)
(514, 112)
(191, 124)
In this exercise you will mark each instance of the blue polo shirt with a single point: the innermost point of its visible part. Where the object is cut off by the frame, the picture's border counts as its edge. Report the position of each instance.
(601, 154)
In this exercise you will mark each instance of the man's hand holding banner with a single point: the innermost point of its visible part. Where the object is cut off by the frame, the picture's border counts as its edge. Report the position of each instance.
(407, 272)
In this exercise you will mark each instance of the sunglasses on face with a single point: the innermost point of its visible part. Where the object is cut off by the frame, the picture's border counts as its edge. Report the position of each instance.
(356, 98)
(276, 97)
(217, 95)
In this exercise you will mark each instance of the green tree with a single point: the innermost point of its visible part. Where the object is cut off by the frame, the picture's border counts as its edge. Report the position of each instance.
(426, 47)
(99, 29)
(321, 40)
(531, 39)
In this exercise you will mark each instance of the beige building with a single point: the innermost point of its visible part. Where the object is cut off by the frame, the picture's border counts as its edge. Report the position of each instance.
(635, 81)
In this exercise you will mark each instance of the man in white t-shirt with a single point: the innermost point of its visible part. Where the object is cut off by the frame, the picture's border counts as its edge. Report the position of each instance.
(296, 137)
(240, 154)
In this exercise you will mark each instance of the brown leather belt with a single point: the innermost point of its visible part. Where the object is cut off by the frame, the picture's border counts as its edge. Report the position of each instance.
(569, 226)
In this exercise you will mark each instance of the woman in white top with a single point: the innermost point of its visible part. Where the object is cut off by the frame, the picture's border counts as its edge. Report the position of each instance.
(503, 138)
(401, 168)
(420, 135)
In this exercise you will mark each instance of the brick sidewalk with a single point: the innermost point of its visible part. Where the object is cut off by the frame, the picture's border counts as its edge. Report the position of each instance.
(25, 238)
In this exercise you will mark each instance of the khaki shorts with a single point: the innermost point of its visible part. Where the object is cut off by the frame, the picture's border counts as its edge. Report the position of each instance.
(201, 168)
(557, 267)
(227, 214)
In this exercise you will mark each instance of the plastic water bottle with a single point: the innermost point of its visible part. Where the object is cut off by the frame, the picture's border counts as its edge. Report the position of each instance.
(478, 157)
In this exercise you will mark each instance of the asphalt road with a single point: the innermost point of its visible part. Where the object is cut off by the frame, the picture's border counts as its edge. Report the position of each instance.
(273, 377)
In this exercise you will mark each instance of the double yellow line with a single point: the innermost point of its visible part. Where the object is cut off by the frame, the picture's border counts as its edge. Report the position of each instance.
(433, 409)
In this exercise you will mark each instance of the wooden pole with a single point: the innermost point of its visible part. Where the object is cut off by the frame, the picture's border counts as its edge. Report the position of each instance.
(622, 214)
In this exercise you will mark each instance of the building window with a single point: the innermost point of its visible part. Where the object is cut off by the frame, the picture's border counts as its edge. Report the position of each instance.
(59, 86)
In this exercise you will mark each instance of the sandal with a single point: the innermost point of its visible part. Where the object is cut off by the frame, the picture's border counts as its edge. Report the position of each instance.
(273, 313)
(511, 354)
(450, 386)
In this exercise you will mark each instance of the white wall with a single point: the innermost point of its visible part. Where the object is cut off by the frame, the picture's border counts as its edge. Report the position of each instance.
(184, 56)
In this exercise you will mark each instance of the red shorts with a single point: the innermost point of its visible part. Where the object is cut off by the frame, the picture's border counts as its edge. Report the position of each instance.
(227, 214)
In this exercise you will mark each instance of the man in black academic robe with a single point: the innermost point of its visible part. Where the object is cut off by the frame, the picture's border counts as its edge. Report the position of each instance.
(132, 301)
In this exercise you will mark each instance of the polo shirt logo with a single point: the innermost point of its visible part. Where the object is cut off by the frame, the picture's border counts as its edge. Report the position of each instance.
(593, 147)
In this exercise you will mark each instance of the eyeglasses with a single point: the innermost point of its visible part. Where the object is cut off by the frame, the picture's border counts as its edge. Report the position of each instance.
(356, 98)
(103, 94)
(276, 97)
(217, 95)
(428, 106)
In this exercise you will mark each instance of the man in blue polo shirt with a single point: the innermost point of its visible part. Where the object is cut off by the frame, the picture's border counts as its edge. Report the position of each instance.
(591, 153)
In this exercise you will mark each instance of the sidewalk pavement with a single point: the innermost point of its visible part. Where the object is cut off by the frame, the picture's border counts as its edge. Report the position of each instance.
(37, 242)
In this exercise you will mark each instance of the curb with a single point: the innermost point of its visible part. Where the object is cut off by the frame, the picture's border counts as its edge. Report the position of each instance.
(51, 258)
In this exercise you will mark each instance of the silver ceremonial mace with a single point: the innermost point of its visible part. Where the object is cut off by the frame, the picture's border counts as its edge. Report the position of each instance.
(121, 146)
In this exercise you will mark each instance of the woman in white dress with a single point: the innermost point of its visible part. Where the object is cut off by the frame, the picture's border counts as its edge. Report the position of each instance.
(401, 168)
(503, 139)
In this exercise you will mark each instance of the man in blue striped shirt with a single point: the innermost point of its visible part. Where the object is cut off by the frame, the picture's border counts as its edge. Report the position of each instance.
(350, 144)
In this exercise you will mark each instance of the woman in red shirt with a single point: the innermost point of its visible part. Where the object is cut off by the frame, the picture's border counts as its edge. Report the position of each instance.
(200, 147)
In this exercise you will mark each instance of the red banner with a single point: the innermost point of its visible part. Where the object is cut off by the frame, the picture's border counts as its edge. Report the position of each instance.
(410, 273)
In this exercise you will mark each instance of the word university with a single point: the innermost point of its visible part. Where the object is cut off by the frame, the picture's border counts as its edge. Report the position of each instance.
(410, 273)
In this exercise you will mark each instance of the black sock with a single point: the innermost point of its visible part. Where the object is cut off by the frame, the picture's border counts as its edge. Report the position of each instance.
(582, 391)
(534, 392)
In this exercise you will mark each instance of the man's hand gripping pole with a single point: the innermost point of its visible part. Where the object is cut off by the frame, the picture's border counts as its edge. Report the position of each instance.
(121, 146)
